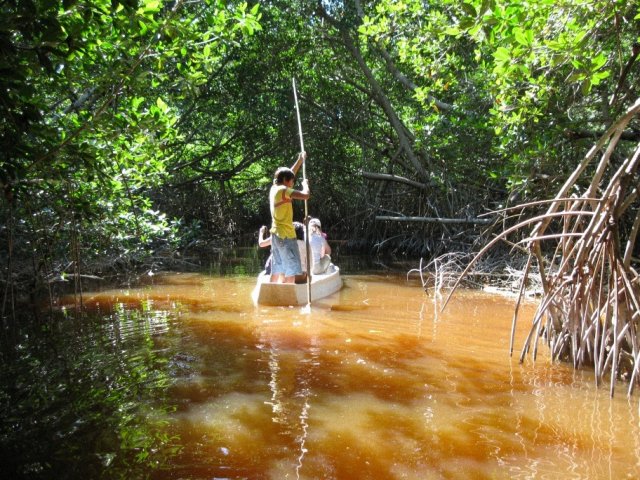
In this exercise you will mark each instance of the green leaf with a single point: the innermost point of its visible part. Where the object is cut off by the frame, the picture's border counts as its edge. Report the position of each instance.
(598, 62)
(596, 78)
(502, 55)
(469, 10)
(136, 102)
(162, 105)
(151, 6)
(522, 37)
(143, 27)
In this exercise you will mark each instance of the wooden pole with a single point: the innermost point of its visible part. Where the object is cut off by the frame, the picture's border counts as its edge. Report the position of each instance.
(304, 177)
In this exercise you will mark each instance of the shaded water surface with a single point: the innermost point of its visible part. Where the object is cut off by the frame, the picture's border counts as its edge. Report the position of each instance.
(186, 379)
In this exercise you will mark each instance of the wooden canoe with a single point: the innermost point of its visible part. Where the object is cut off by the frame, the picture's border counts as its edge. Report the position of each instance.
(284, 294)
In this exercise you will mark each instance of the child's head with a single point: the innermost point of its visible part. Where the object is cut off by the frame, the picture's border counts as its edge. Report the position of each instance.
(315, 226)
(283, 174)
(299, 228)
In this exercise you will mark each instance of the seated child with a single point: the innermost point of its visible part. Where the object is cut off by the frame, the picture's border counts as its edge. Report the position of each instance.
(320, 249)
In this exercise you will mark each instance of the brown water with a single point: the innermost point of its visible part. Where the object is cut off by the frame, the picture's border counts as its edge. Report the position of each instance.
(374, 383)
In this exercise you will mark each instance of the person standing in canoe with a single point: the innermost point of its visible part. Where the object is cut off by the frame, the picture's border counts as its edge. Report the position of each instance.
(284, 247)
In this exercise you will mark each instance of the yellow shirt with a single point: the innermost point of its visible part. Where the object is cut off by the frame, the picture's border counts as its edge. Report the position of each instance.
(281, 211)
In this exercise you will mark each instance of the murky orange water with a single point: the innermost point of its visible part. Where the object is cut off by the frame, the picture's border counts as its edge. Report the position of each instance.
(376, 383)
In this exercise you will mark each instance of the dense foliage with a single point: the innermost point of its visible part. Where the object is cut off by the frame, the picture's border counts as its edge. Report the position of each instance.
(134, 129)
(91, 108)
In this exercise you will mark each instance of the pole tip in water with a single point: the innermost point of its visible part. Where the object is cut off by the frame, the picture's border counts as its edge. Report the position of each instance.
(306, 309)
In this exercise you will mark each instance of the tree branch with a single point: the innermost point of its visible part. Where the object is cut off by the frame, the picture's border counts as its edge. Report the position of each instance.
(408, 83)
(484, 221)
(378, 95)
(635, 51)
(394, 178)
(630, 135)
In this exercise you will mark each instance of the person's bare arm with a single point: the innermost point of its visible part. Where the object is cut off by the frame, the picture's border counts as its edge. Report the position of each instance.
(299, 161)
(264, 242)
(303, 194)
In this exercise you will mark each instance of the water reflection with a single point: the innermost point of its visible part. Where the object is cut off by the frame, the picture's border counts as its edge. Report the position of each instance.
(83, 395)
(186, 379)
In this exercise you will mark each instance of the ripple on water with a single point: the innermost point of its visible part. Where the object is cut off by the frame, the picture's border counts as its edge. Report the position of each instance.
(379, 383)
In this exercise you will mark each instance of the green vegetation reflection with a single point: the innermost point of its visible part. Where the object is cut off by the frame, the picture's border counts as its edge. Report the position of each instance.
(83, 384)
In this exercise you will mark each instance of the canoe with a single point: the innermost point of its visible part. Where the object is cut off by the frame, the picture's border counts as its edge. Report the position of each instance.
(283, 294)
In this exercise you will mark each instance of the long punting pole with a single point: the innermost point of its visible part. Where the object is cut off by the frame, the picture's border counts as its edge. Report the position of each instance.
(304, 177)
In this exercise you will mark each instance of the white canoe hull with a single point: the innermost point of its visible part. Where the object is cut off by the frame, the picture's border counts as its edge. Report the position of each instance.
(284, 294)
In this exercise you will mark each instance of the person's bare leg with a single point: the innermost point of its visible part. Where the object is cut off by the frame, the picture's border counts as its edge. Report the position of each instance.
(290, 279)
